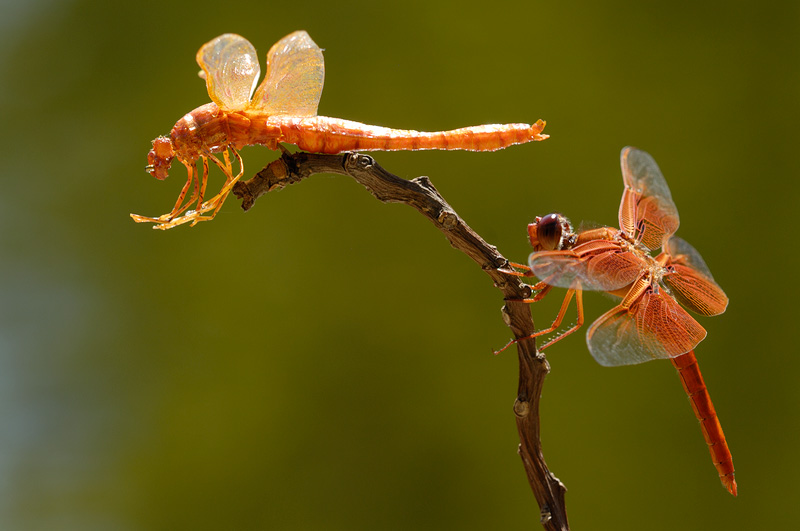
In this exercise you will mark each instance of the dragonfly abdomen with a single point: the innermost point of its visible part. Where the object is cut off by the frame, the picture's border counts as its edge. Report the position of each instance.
(320, 134)
(703, 408)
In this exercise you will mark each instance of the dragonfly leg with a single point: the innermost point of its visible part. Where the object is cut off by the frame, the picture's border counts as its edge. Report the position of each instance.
(197, 195)
(526, 271)
(560, 317)
(573, 291)
(541, 289)
(193, 177)
(215, 203)
(173, 219)
(204, 183)
(179, 205)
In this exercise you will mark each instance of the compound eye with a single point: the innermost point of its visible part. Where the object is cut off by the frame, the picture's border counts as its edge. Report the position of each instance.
(549, 231)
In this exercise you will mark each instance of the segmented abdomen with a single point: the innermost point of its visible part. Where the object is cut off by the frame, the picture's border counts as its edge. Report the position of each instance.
(704, 410)
(320, 134)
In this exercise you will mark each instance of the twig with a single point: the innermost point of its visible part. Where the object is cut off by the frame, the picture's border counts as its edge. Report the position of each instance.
(421, 194)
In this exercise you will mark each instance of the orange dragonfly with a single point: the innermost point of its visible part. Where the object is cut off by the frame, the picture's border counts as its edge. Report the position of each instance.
(282, 109)
(648, 323)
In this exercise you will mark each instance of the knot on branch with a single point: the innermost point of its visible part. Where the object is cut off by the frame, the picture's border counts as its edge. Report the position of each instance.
(448, 219)
(506, 315)
(357, 161)
(521, 408)
(545, 515)
(527, 292)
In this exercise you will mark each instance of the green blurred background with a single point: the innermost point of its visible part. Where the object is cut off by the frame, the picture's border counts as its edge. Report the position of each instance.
(324, 360)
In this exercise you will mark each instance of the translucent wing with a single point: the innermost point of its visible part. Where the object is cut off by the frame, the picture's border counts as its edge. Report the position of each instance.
(682, 252)
(598, 265)
(294, 79)
(691, 281)
(646, 212)
(654, 327)
(231, 70)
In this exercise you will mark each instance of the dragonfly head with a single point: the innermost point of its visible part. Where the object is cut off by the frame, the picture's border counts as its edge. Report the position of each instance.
(552, 232)
(160, 158)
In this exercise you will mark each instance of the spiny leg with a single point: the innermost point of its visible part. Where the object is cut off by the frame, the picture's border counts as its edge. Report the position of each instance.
(197, 195)
(526, 271)
(180, 220)
(545, 288)
(192, 170)
(204, 183)
(524, 267)
(226, 189)
(177, 209)
(560, 317)
(229, 183)
(542, 289)
(215, 203)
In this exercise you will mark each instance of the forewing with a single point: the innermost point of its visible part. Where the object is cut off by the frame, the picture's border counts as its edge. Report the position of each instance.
(294, 79)
(598, 266)
(654, 327)
(647, 212)
(690, 279)
(230, 64)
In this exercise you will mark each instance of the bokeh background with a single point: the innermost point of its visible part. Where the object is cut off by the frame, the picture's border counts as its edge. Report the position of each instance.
(324, 360)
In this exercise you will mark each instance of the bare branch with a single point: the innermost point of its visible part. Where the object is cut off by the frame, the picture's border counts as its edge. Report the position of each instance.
(423, 196)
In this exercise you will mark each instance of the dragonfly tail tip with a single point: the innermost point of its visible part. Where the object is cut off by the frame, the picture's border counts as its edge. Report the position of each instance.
(730, 484)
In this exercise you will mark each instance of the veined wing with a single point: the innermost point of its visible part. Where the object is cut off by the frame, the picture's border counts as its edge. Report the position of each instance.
(690, 279)
(599, 265)
(294, 79)
(647, 212)
(654, 327)
(230, 64)
(682, 252)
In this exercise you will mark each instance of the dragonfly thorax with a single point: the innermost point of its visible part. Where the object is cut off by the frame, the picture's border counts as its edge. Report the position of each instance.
(204, 130)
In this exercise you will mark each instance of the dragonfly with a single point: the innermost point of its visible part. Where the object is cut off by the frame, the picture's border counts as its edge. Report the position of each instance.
(282, 109)
(648, 323)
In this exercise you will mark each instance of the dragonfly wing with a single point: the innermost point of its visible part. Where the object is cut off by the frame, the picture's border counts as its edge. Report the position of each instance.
(691, 281)
(558, 268)
(612, 271)
(647, 212)
(654, 327)
(230, 65)
(597, 266)
(682, 252)
(294, 79)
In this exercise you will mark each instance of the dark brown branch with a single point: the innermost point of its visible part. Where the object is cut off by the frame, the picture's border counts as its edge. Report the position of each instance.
(421, 194)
